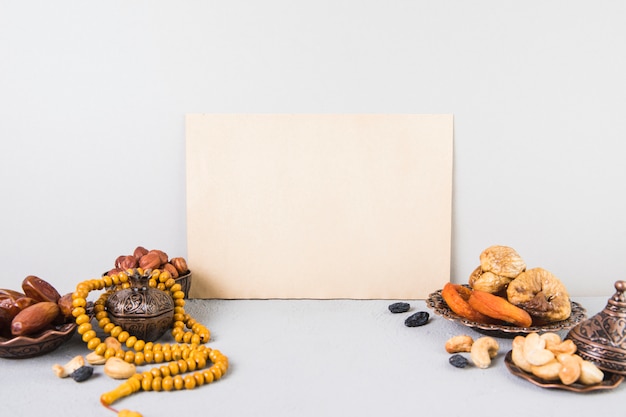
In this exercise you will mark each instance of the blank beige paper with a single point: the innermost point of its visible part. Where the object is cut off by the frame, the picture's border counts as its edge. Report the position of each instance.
(318, 206)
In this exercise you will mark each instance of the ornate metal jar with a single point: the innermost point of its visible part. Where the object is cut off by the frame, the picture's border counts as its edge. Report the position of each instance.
(602, 338)
(144, 312)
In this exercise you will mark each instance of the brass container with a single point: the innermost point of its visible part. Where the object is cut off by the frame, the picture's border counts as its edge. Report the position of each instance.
(144, 312)
(602, 338)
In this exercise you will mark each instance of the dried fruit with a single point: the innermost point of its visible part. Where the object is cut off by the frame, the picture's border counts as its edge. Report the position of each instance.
(499, 308)
(399, 307)
(139, 252)
(418, 319)
(39, 290)
(180, 264)
(456, 297)
(34, 318)
(541, 294)
(458, 361)
(150, 260)
(171, 269)
(82, 374)
(502, 260)
(65, 305)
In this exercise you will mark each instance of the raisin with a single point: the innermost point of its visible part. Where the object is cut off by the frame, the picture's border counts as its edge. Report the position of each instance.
(458, 361)
(399, 307)
(82, 374)
(418, 319)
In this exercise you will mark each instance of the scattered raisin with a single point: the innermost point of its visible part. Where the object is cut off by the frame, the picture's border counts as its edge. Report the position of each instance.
(458, 361)
(418, 319)
(82, 374)
(399, 307)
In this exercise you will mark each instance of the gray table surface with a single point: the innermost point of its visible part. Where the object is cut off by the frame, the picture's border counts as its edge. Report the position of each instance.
(313, 358)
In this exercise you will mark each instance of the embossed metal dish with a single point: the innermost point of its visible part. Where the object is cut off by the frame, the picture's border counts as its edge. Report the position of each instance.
(610, 381)
(22, 347)
(436, 302)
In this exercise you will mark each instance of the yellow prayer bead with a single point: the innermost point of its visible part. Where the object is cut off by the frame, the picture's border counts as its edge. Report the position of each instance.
(208, 376)
(123, 336)
(108, 327)
(100, 349)
(93, 343)
(130, 342)
(148, 356)
(168, 383)
(217, 372)
(182, 365)
(191, 364)
(158, 356)
(157, 384)
(109, 352)
(199, 378)
(174, 369)
(139, 345)
(78, 311)
(79, 302)
(180, 302)
(190, 382)
(129, 356)
(83, 318)
(115, 331)
(179, 382)
(83, 328)
(139, 358)
(165, 370)
(176, 287)
(102, 315)
(88, 335)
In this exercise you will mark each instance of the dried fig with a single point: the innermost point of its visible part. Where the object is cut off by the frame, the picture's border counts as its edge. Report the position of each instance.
(40, 290)
(541, 294)
(502, 260)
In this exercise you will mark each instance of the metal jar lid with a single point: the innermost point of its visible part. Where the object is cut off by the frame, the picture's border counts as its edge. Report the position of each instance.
(601, 339)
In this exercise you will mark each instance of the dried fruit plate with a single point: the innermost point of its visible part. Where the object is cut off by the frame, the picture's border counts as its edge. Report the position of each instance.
(436, 302)
(22, 347)
(610, 381)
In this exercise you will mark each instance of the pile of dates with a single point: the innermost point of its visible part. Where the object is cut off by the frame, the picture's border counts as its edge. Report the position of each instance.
(150, 259)
(38, 307)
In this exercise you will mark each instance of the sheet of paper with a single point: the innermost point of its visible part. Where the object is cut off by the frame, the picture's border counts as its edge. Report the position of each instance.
(318, 206)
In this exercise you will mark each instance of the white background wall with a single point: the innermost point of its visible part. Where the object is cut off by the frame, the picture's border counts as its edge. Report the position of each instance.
(93, 97)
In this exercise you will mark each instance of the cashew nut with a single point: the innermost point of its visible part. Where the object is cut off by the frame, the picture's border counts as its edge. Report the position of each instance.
(112, 342)
(548, 371)
(461, 343)
(570, 369)
(117, 368)
(567, 346)
(94, 359)
(483, 350)
(590, 374)
(552, 339)
(517, 354)
(535, 350)
(63, 371)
